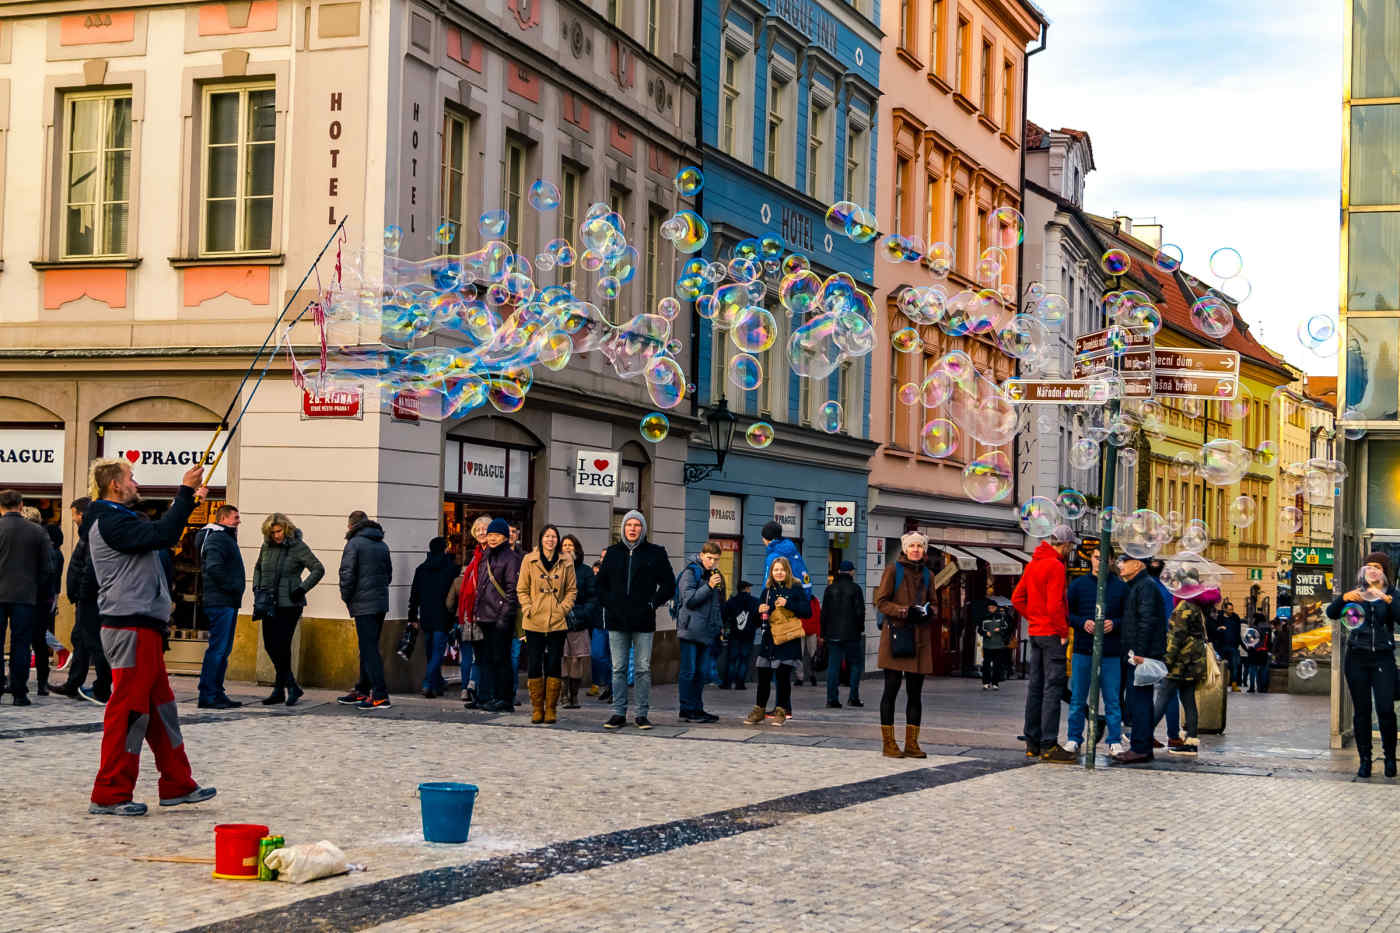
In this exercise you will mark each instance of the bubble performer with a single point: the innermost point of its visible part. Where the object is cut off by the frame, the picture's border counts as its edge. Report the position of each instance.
(1370, 656)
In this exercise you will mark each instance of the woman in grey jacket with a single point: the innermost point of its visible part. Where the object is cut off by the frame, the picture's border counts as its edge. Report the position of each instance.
(282, 560)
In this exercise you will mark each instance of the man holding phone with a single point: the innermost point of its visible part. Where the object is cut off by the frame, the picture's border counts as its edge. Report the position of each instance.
(699, 610)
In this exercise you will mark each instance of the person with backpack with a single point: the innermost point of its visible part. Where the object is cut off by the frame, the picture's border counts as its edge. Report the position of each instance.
(698, 608)
(87, 627)
(283, 558)
(740, 618)
(1186, 659)
(783, 598)
(991, 621)
(904, 601)
(1370, 612)
(843, 632)
(427, 608)
(775, 546)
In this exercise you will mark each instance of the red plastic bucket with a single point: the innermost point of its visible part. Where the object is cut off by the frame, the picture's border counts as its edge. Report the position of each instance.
(236, 851)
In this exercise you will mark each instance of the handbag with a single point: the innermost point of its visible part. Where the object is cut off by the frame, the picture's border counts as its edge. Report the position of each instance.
(902, 643)
(784, 625)
(264, 603)
(407, 641)
(820, 658)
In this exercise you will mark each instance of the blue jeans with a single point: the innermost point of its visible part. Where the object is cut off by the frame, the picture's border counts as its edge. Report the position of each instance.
(222, 622)
(691, 683)
(712, 656)
(21, 619)
(601, 658)
(1110, 678)
(436, 644)
(620, 643)
(737, 663)
(1173, 709)
(1140, 699)
(515, 645)
(469, 673)
(854, 653)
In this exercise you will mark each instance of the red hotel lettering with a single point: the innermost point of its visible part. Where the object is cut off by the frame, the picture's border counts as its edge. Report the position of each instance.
(335, 130)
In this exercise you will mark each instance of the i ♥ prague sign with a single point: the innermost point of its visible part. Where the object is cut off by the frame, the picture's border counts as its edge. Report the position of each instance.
(840, 517)
(595, 473)
(160, 458)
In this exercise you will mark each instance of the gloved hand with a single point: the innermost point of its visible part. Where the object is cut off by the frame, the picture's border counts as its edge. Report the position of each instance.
(915, 614)
(298, 595)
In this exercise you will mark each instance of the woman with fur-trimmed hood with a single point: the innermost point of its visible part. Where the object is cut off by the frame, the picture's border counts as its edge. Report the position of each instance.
(282, 561)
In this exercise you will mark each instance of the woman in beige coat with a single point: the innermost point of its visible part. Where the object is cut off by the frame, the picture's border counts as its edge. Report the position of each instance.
(547, 589)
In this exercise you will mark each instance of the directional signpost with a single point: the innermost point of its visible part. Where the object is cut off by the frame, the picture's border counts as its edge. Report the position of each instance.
(1184, 372)
(1057, 391)
(1136, 362)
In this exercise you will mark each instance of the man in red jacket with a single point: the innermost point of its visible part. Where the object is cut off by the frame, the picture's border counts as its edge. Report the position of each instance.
(1040, 599)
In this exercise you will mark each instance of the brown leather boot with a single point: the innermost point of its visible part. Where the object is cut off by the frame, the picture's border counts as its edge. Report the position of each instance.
(552, 687)
(911, 743)
(536, 685)
(890, 748)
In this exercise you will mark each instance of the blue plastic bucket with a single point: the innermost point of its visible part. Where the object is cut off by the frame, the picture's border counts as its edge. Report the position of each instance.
(447, 810)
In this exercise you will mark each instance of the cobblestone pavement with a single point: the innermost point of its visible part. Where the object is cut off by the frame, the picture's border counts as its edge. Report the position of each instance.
(748, 828)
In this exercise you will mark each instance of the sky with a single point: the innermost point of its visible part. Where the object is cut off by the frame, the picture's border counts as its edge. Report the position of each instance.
(1223, 121)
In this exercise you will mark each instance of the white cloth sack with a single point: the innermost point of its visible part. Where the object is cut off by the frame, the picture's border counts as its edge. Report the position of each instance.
(1148, 672)
(307, 862)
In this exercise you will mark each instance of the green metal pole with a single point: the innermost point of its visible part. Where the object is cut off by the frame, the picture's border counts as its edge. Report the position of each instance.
(1108, 456)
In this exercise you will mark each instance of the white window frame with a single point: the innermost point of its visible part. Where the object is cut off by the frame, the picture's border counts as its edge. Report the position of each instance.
(857, 184)
(241, 197)
(736, 95)
(514, 201)
(455, 213)
(820, 120)
(69, 105)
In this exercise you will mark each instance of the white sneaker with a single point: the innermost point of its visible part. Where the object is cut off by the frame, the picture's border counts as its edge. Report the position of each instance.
(1116, 748)
(1070, 746)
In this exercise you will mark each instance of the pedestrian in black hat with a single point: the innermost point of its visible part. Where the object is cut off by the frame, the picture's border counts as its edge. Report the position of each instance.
(843, 632)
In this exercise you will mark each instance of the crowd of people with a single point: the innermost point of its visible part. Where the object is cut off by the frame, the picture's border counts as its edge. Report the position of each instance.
(575, 622)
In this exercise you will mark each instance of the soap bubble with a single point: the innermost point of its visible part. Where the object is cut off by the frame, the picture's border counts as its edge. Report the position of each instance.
(939, 438)
(655, 426)
(1353, 615)
(936, 389)
(993, 421)
(906, 340)
(544, 195)
(1290, 520)
(1083, 453)
(988, 477)
(1008, 227)
(1195, 537)
(1250, 637)
(689, 181)
(1236, 289)
(754, 331)
(1142, 534)
(393, 238)
(1226, 263)
(1224, 462)
(1052, 309)
(1184, 465)
(1072, 503)
(1267, 453)
(1168, 258)
(940, 258)
(1115, 262)
(693, 233)
(668, 308)
(830, 417)
(1242, 512)
(1237, 408)
(908, 394)
(745, 371)
(492, 224)
(759, 435)
(839, 214)
(1108, 519)
(608, 287)
(1212, 316)
(1128, 457)
(1039, 516)
(1306, 669)
(445, 233)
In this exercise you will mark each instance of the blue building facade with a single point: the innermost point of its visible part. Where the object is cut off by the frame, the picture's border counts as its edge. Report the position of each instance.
(787, 126)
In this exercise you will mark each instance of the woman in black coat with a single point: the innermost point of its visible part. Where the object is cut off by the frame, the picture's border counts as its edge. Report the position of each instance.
(1370, 612)
(427, 608)
(582, 618)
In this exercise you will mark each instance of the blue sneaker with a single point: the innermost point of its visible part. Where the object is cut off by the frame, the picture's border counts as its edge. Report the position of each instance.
(86, 693)
(198, 795)
(130, 808)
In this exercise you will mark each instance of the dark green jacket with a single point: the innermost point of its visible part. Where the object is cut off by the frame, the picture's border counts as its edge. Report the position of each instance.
(1186, 644)
(282, 565)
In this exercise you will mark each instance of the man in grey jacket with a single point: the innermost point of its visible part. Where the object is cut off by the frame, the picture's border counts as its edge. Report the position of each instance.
(133, 598)
(366, 571)
(24, 575)
(699, 618)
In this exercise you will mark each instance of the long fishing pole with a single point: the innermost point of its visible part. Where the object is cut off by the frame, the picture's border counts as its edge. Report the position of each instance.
(223, 422)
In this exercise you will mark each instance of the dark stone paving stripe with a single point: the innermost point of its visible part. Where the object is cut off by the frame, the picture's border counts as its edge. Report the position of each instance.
(393, 899)
(84, 728)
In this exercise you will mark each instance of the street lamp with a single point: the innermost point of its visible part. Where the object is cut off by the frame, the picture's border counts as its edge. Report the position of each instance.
(721, 423)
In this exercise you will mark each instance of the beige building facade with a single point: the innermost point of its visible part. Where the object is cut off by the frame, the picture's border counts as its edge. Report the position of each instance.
(168, 174)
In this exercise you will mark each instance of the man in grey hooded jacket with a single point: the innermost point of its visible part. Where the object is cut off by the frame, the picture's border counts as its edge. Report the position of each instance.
(634, 580)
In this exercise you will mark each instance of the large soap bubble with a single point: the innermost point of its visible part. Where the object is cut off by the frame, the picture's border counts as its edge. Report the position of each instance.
(988, 477)
(1142, 534)
(1039, 516)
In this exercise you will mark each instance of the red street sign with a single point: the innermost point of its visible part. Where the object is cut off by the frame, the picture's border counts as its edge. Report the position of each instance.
(338, 403)
(405, 406)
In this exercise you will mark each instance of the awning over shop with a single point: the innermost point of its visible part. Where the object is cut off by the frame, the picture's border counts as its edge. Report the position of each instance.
(1002, 566)
(965, 561)
(1017, 553)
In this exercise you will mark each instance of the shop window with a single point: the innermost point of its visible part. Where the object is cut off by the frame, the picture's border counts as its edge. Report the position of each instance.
(240, 143)
(1382, 479)
(456, 143)
(726, 526)
(1372, 380)
(789, 516)
(97, 173)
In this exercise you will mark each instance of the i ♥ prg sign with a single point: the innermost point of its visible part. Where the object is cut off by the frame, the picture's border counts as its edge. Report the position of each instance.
(161, 457)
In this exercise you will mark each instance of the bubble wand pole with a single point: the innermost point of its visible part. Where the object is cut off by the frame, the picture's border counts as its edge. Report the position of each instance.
(223, 422)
